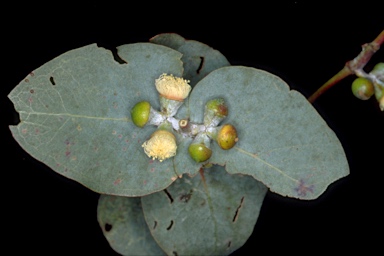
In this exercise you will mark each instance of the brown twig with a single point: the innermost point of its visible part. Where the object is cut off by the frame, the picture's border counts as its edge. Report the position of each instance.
(351, 67)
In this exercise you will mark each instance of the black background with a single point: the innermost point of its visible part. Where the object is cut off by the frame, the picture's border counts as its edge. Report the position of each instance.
(305, 44)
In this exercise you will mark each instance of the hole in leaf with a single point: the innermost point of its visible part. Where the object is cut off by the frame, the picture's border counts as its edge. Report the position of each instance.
(175, 253)
(107, 227)
(170, 225)
(52, 80)
(229, 244)
(113, 50)
(201, 65)
(168, 195)
(238, 209)
(155, 225)
(117, 57)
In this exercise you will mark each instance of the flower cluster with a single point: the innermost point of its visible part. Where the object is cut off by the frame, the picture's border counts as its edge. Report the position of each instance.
(162, 143)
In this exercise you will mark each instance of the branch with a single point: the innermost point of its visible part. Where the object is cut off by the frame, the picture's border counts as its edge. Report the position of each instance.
(354, 66)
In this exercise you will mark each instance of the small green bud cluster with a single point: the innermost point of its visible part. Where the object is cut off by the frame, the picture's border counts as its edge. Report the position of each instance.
(225, 135)
(162, 143)
(367, 85)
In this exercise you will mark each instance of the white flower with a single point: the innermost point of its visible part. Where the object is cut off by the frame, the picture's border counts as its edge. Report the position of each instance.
(173, 88)
(161, 145)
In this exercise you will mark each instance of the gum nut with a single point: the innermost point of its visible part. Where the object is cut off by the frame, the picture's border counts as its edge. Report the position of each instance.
(379, 67)
(227, 136)
(199, 152)
(218, 106)
(362, 88)
(140, 113)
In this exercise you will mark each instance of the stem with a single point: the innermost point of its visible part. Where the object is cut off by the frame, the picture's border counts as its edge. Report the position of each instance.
(351, 67)
(331, 82)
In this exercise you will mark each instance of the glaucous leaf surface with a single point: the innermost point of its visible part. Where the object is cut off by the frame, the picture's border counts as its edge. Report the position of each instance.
(122, 222)
(199, 59)
(212, 213)
(75, 116)
(283, 141)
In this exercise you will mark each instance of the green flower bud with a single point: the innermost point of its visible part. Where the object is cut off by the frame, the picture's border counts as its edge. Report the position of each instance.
(378, 68)
(140, 113)
(227, 136)
(215, 111)
(362, 88)
(199, 149)
(379, 94)
(199, 152)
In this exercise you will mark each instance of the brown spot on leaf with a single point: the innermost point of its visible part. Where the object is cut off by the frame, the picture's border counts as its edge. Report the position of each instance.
(186, 197)
(32, 91)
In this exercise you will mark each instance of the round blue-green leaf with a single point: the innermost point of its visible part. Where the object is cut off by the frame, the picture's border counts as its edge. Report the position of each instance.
(283, 141)
(213, 213)
(122, 222)
(199, 59)
(75, 116)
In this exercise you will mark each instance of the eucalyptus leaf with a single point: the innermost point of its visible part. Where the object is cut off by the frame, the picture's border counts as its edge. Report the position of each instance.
(212, 213)
(122, 222)
(199, 59)
(283, 141)
(75, 116)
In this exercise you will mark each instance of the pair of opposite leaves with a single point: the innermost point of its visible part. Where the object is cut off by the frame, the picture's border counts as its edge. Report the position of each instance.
(74, 113)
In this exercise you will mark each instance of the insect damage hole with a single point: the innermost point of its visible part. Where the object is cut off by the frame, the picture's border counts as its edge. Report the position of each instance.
(168, 195)
(107, 227)
(117, 58)
(113, 50)
(155, 225)
(170, 225)
(238, 210)
(52, 80)
(175, 253)
(200, 65)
